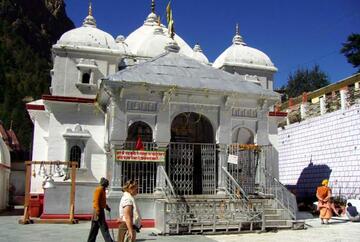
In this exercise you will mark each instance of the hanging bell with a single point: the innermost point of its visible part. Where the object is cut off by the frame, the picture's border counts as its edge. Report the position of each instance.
(49, 183)
(33, 172)
(42, 171)
(58, 171)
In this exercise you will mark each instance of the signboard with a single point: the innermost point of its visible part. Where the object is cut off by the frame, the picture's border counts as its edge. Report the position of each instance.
(140, 155)
(233, 159)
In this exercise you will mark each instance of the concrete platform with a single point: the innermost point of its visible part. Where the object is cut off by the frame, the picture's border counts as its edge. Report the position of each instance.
(335, 232)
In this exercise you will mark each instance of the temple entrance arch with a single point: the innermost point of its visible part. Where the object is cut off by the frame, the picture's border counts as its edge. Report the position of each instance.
(242, 135)
(191, 159)
(139, 129)
(191, 127)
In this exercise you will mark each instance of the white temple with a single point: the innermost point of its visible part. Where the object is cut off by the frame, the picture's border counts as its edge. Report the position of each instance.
(106, 93)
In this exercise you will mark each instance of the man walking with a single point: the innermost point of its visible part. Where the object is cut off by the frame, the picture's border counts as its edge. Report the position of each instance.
(98, 218)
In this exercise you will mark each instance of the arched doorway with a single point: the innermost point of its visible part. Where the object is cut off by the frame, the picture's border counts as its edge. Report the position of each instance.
(139, 129)
(191, 128)
(191, 159)
(242, 136)
(244, 172)
(143, 172)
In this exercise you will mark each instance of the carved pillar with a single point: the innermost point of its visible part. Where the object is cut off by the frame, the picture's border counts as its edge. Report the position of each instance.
(160, 177)
(117, 136)
(162, 136)
(262, 133)
(222, 156)
(223, 139)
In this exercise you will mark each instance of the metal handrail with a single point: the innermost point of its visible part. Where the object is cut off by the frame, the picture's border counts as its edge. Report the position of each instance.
(166, 185)
(234, 185)
(282, 195)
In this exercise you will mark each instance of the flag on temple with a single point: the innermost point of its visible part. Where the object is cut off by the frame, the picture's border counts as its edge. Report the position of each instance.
(168, 12)
(139, 144)
(170, 20)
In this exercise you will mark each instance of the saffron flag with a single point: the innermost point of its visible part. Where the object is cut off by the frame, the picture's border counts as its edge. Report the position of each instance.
(168, 12)
(139, 144)
(170, 20)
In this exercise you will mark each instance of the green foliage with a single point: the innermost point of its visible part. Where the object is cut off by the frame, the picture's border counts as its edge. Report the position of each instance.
(305, 80)
(25, 59)
(351, 49)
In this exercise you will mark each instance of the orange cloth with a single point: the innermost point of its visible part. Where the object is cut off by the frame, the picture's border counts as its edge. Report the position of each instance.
(325, 210)
(99, 200)
(323, 192)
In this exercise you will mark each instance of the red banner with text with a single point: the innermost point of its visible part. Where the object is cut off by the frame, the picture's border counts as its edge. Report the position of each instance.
(140, 155)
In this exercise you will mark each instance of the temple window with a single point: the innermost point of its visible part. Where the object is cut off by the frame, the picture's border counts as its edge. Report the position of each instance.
(76, 143)
(75, 154)
(86, 78)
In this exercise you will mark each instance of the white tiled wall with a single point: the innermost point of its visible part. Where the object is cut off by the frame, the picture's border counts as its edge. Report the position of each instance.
(326, 146)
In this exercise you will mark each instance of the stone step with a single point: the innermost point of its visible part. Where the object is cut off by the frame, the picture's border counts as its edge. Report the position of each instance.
(218, 228)
(273, 217)
(278, 224)
(273, 211)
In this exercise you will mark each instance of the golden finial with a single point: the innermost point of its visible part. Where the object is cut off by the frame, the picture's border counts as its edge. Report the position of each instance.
(237, 29)
(153, 6)
(90, 9)
(158, 21)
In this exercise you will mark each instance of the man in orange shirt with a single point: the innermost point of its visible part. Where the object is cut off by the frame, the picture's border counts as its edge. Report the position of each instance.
(98, 218)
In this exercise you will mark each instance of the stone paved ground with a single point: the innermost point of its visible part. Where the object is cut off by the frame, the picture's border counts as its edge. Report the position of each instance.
(338, 231)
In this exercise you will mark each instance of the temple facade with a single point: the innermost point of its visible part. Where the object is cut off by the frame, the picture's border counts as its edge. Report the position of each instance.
(150, 108)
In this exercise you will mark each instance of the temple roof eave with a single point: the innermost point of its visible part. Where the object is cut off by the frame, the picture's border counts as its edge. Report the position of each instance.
(111, 87)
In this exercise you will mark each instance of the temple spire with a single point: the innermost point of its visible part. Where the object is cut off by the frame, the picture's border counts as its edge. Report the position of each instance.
(90, 21)
(153, 6)
(238, 40)
(90, 9)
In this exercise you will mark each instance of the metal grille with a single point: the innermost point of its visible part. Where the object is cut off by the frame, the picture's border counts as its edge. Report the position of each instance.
(210, 216)
(245, 171)
(208, 158)
(181, 167)
(142, 172)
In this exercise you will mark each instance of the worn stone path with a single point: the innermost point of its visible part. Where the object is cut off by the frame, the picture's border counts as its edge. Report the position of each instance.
(338, 231)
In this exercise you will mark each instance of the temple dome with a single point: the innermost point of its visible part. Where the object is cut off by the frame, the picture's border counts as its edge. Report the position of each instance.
(241, 55)
(137, 44)
(155, 44)
(122, 46)
(199, 55)
(88, 35)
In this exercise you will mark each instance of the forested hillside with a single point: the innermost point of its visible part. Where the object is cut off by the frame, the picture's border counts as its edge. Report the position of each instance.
(28, 28)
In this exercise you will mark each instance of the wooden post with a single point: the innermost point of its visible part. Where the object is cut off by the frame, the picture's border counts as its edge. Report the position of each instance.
(72, 191)
(26, 217)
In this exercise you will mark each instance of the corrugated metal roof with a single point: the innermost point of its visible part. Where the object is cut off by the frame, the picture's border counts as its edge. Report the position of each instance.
(174, 69)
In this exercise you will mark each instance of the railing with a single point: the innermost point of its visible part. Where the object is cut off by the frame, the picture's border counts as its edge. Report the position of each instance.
(353, 96)
(210, 216)
(244, 170)
(165, 184)
(284, 198)
(332, 103)
(233, 189)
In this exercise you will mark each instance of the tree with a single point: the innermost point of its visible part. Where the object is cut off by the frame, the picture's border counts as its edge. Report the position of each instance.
(305, 80)
(351, 49)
